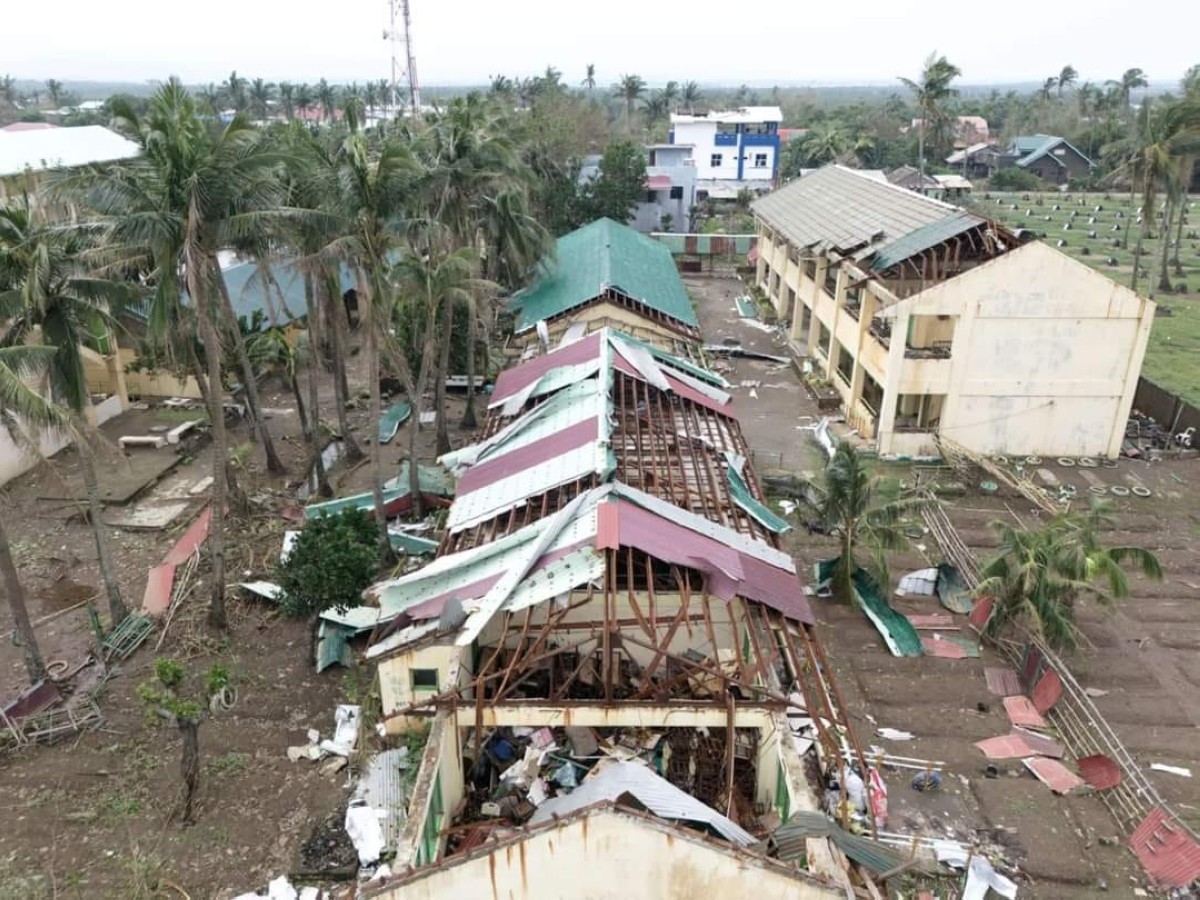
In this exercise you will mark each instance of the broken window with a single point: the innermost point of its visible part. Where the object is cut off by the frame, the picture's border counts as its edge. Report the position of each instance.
(424, 679)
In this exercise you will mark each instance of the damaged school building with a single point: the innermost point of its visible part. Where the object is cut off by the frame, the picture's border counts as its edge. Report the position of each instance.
(933, 323)
(613, 657)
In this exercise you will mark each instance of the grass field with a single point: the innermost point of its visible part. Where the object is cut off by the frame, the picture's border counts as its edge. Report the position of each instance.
(1173, 357)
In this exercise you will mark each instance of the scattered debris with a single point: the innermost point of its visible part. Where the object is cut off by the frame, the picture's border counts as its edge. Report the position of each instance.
(894, 734)
(1054, 774)
(1022, 713)
(1002, 681)
(1172, 770)
(1019, 745)
(366, 833)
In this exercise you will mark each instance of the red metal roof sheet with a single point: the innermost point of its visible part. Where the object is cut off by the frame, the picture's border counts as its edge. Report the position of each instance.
(159, 582)
(512, 380)
(980, 613)
(192, 539)
(1022, 713)
(1168, 853)
(936, 646)
(1048, 692)
(1054, 774)
(1002, 681)
(1100, 771)
(932, 621)
(1018, 745)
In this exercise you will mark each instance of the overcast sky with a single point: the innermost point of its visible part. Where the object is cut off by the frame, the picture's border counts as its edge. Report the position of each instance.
(465, 41)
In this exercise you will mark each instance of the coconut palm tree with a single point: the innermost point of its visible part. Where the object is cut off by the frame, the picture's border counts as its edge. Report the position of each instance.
(469, 157)
(670, 94)
(1067, 77)
(1047, 88)
(327, 99)
(55, 90)
(825, 142)
(690, 96)
(235, 91)
(287, 99)
(930, 91)
(211, 96)
(369, 192)
(655, 109)
(25, 413)
(1038, 574)
(630, 88)
(261, 94)
(862, 511)
(589, 80)
(193, 192)
(49, 299)
(502, 84)
(304, 98)
(1127, 84)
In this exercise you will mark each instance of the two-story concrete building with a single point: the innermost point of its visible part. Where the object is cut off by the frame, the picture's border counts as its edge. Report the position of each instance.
(932, 321)
(732, 150)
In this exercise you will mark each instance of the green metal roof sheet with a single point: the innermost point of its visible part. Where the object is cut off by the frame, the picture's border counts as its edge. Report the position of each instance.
(602, 255)
(1044, 150)
(790, 837)
(923, 238)
(1027, 143)
(740, 491)
(675, 362)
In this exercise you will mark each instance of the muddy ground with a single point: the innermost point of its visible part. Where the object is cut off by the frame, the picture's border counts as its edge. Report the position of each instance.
(91, 817)
(1144, 652)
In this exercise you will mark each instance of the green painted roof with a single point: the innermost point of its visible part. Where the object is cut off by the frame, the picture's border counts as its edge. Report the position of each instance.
(596, 257)
(923, 238)
(1027, 143)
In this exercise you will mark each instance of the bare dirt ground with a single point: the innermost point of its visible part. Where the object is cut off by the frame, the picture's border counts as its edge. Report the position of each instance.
(91, 817)
(1144, 653)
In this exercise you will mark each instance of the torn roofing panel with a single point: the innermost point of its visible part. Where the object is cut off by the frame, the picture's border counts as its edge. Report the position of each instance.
(512, 380)
(1168, 852)
(528, 456)
(653, 791)
(739, 489)
(1100, 771)
(1053, 774)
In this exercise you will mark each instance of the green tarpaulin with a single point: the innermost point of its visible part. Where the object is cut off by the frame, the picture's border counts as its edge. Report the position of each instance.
(952, 591)
(397, 414)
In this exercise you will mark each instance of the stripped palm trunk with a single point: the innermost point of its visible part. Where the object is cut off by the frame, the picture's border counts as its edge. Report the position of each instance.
(314, 401)
(35, 668)
(274, 464)
(376, 414)
(341, 393)
(116, 606)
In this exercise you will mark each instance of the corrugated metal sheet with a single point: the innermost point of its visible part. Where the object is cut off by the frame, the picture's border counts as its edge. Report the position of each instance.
(1048, 692)
(740, 491)
(1002, 681)
(1168, 853)
(1019, 745)
(838, 209)
(789, 840)
(382, 786)
(1021, 712)
(1100, 771)
(655, 793)
(923, 238)
(1053, 774)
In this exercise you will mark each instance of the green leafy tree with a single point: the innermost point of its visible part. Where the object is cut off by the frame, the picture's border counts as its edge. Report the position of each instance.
(54, 89)
(335, 558)
(621, 181)
(1038, 574)
(25, 414)
(864, 512)
(1130, 80)
(235, 91)
(589, 80)
(1067, 77)
(931, 90)
(1014, 179)
(170, 699)
(261, 94)
(656, 109)
(691, 96)
(327, 99)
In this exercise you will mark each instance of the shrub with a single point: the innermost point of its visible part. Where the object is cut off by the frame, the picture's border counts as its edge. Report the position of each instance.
(1014, 179)
(331, 564)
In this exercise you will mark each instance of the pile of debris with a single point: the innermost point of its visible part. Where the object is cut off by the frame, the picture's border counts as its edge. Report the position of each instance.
(525, 775)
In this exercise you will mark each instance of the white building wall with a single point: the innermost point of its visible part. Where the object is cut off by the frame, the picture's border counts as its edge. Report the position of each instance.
(608, 855)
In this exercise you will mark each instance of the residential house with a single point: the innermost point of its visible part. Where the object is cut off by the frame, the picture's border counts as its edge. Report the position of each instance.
(27, 154)
(1050, 158)
(733, 150)
(607, 274)
(932, 322)
(975, 161)
(670, 188)
(968, 130)
(943, 187)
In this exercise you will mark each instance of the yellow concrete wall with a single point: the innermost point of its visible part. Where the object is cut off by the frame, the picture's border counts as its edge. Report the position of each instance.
(1045, 360)
(607, 856)
(395, 683)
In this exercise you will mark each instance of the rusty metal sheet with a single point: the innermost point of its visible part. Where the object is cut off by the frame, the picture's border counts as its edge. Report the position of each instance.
(1002, 681)
(192, 538)
(159, 582)
(1048, 692)
(32, 701)
(936, 646)
(1019, 745)
(980, 613)
(1021, 712)
(1054, 774)
(1100, 771)
(1168, 853)
(1032, 666)
(931, 622)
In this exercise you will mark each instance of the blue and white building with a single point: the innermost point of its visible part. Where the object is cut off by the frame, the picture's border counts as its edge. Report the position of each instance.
(733, 150)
